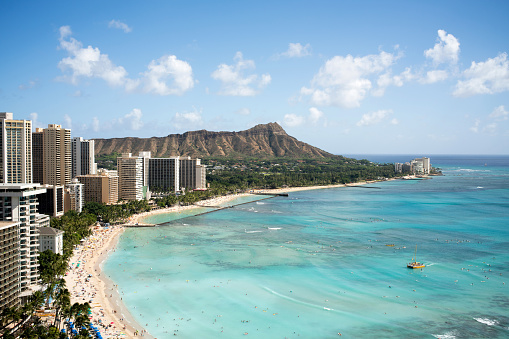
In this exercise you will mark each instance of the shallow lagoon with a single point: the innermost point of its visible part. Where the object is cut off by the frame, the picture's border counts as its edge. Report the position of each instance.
(316, 263)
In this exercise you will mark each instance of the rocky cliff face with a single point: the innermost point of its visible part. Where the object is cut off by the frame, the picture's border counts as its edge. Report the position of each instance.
(263, 141)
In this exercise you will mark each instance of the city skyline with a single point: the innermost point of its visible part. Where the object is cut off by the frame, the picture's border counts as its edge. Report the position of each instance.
(350, 78)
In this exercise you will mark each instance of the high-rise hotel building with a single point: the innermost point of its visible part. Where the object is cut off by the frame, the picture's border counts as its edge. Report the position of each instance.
(57, 155)
(18, 204)
(130, 177)
(37, 158)
(163, 174)
(83, 157)
(15, 149)
(191, 173)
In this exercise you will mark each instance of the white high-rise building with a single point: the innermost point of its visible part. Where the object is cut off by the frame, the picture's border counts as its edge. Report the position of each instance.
(15, 149)
(130, 177)
(83, 157)
(74, 197)
(18, 203)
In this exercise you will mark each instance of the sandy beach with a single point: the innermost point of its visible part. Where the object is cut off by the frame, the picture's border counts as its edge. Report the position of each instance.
(86, 282)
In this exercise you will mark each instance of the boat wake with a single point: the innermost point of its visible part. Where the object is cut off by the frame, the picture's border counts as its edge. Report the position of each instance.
(274, 228)
(487, 321)
(299, 301)
(449, 335)
(246, 231)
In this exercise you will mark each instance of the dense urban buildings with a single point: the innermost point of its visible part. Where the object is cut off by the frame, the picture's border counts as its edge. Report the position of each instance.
(416, 166)
(16, 150)
(83, 157)
(138, 176)
(57, 155)
(46, 173)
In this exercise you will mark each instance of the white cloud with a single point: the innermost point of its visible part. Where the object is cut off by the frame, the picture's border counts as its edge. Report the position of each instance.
(488, 77)
(475, 128)
(434, 76)
(165, 76)
(374, 118)
(35, 123)
(188, 120)
(499, 114)
(490, 128)
(120, 25)
(315, 115)
(31, 84)
(234, 82)
(385, 80)
(243, 111)
(293, 120)
(95, 124)
(296, 50)
(446, 50)
(67, 121)
(343, 81)
(168, 67)
(133, 119)
(88, 62)
(394, 121)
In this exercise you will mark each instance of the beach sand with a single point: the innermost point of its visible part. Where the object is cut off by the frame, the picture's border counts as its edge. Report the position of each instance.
(87, 283)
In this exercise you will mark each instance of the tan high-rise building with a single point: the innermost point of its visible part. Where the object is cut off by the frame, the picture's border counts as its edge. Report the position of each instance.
(101, 187)
(57, 155)
(15, 150)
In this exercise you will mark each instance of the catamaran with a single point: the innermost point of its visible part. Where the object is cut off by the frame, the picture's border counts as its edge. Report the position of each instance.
(415, 263)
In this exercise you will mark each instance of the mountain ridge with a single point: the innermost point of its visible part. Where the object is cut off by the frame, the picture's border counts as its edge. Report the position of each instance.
(263, 141)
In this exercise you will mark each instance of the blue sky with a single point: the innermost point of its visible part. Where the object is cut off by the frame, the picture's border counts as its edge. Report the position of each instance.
(396, 77)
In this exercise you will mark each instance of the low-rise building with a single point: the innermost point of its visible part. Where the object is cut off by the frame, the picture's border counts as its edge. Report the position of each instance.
(51, 239)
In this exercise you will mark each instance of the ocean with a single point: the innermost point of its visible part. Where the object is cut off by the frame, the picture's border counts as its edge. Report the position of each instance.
(330, 262)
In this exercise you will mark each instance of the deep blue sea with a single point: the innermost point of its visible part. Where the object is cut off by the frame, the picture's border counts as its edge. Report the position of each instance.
(317, 263)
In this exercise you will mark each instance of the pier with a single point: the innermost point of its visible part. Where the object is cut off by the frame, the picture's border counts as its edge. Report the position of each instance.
(273, 194)
(140, 225)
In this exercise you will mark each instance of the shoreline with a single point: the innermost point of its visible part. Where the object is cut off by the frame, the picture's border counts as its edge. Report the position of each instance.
(85, 283)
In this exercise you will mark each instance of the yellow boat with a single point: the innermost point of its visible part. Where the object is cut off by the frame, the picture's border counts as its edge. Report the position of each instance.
(415, 263)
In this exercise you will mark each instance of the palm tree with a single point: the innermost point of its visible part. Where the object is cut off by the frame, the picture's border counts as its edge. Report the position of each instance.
(62, 302)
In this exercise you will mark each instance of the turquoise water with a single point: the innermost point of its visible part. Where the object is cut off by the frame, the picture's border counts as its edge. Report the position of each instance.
(316, 264)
